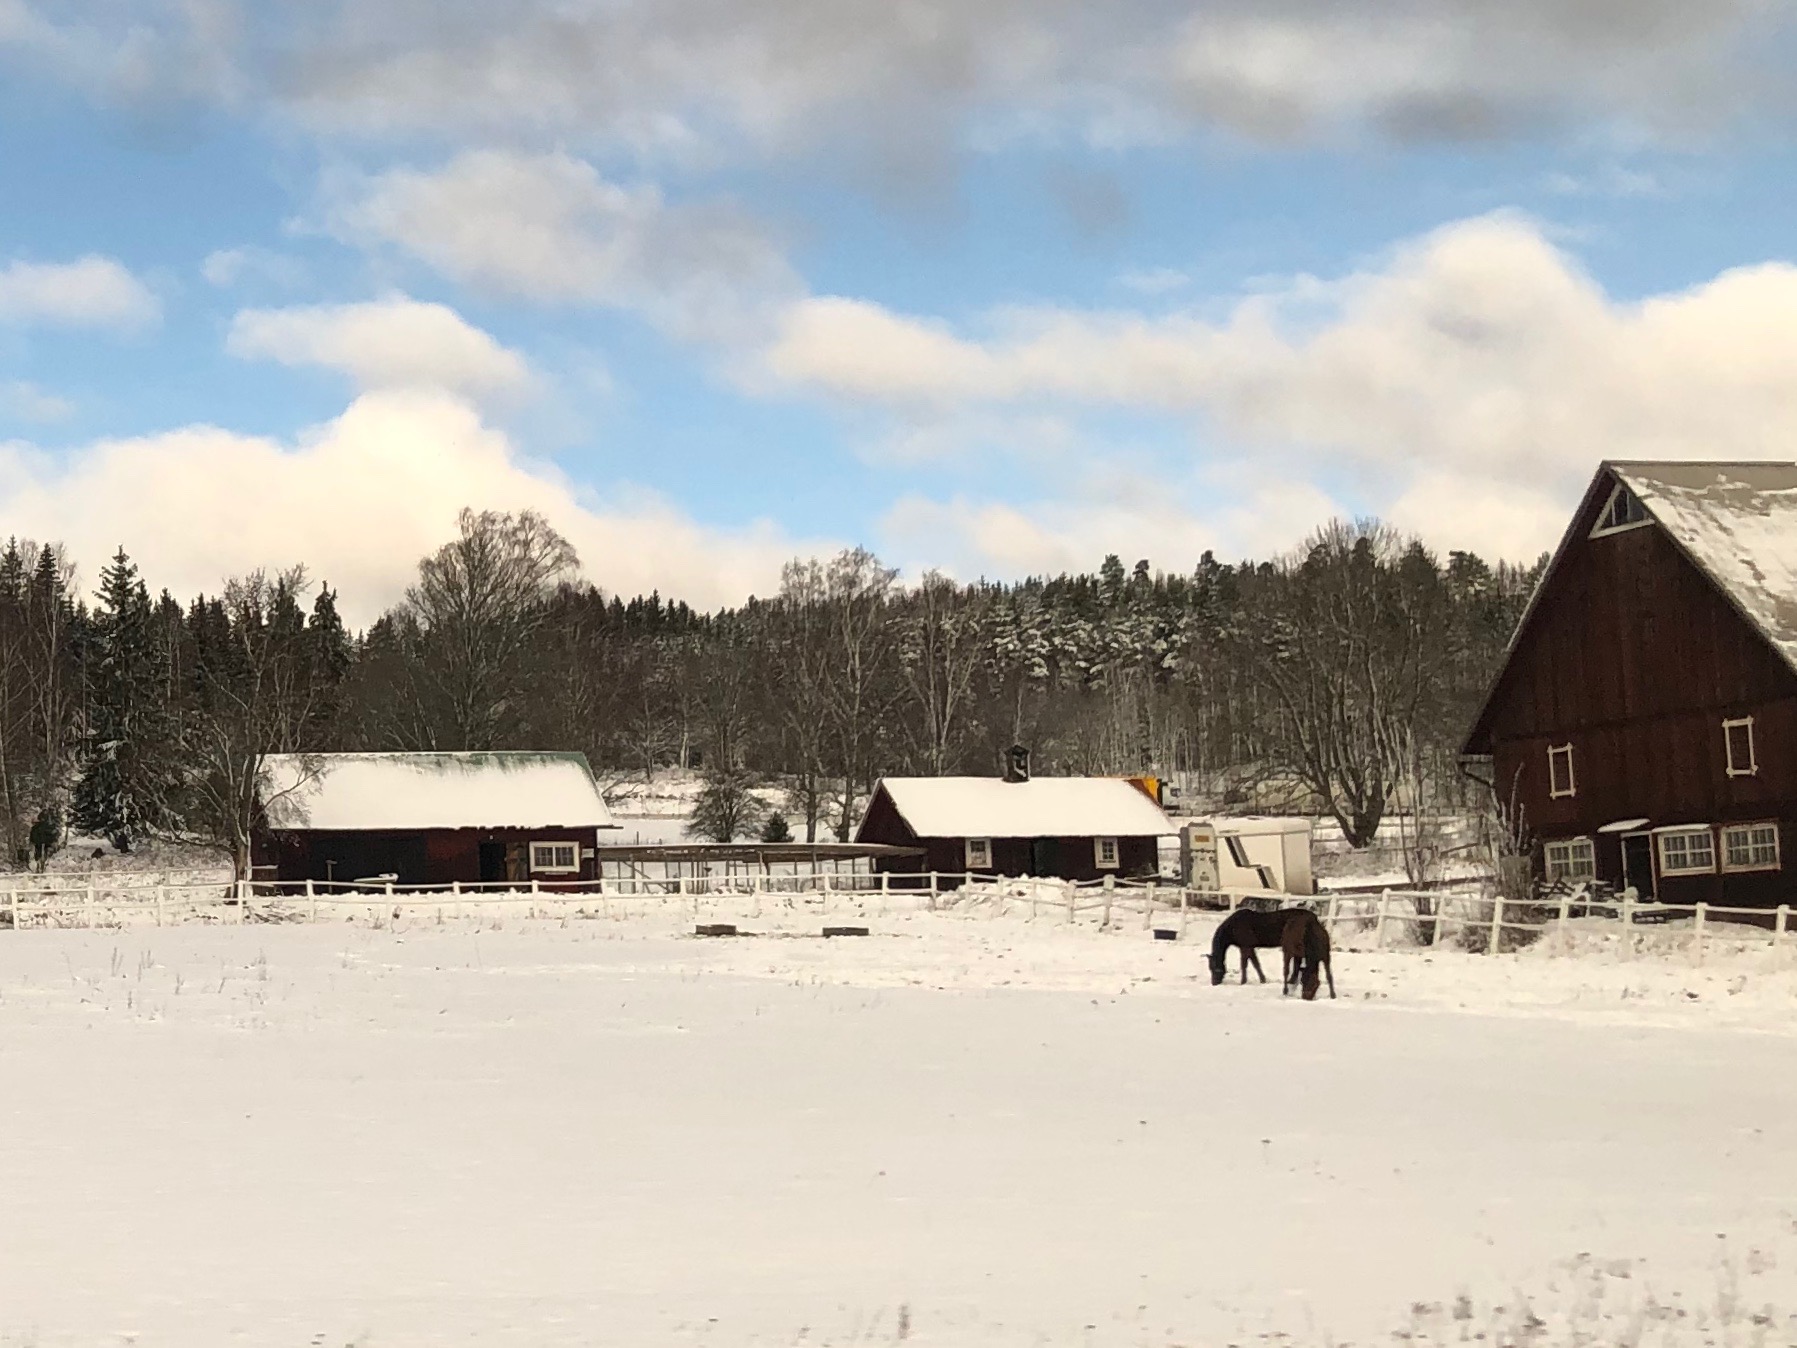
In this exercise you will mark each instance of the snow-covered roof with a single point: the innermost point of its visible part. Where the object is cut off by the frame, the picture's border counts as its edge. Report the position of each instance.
(432, 791)
(1043, 807)
(1738, 523)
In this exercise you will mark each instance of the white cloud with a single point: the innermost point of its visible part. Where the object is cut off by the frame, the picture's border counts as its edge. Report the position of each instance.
(358, 500)
(549, 228)
(1479, 355)
(1235, 512)
(91, 292)
(394, 342)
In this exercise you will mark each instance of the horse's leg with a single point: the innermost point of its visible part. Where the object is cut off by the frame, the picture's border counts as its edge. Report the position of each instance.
(1260, 972)
(1329, 968)
(1246, 952)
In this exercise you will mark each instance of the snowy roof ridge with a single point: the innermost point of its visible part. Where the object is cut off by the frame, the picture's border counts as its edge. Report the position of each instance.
(432, 790)
(1043, 807)
(1737, 522)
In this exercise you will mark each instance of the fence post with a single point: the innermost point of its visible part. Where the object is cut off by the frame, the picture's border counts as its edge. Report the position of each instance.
(312, 898)
(1068, 886)
(1628, 924)
(159, 889)
(932, 891)
(1334, 912)
(1778, 924)
(455, 888)
(1379, 926)
(1148, 908)
(1110, 890)
(12, 899)
(87, 903)
(1497, 924)
(885, 892)
(1697, 929)
(1441, 919)
(1184, 907)
(1565, 916)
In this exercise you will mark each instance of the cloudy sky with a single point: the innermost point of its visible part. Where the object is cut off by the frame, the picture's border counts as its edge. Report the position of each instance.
(995, 287)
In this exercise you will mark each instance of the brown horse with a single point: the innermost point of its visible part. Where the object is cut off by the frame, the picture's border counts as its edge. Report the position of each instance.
(1305, 941)
(1246, 929)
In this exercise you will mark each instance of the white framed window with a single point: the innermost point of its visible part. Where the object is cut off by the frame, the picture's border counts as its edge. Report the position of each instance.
(1560, 782)
(1750, 847)
(555, 858)
(1622, 511)
(1687, 851)
(1571, 859)
(979, 854)
(1104, 853)
(1737, 740)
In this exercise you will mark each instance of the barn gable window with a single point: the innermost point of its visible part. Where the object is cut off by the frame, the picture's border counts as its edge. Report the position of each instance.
(1687, 851)
(555, 858)
(1560, 781)
(1104, 853)
(1750, 847)
(1737, 738)
(979, 854)
(1570, 859)
(1622, 511)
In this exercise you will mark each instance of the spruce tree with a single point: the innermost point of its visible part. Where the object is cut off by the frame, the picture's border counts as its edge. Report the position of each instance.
(126, 788)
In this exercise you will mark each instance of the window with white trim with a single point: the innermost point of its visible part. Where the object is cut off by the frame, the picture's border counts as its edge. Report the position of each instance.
(1622, 511)
(1104, 853)
(979, 854)
(555, 858)
(1687, 851)
(1560, 781)
(1750, 847)
(1737, 740)
(1572, 859)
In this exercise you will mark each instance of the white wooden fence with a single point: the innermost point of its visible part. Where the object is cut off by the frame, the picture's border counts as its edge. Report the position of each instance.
(1392, 918)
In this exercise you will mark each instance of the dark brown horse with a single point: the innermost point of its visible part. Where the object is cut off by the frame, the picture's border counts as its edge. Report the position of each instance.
(1305, 941)
(1246, 929)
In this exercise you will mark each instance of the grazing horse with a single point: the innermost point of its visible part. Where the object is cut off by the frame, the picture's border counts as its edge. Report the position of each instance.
(1305, 942)
(1247, 928)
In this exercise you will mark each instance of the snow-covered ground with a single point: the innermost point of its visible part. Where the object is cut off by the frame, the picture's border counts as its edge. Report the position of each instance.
(966, 1129)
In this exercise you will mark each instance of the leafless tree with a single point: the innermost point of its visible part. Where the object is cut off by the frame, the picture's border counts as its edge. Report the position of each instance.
(479, 601)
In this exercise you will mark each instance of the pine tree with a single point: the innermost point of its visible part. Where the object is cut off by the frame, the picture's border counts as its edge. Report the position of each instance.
(126, 790)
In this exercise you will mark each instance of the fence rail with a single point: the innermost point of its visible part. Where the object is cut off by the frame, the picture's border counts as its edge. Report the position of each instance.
(1390, 917)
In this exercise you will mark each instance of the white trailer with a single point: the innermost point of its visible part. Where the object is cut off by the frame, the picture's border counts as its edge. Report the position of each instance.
(1259, 852)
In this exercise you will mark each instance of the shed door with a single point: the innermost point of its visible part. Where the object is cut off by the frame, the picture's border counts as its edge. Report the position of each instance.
(492, 862)
(1044, 857)
(1637, 863)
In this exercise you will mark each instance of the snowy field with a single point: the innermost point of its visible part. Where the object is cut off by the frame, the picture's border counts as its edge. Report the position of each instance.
(966, 1129)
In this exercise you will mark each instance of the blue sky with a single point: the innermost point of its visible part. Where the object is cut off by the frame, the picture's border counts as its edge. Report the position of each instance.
(997, 289)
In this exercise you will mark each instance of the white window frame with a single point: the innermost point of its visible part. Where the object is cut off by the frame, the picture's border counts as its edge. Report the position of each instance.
(1728, 748)
(543, 862)
(1570, 859)
(1572, 781)
(1602, 530)
(1098, 856)
(1758, 826)
(979, 854)
(1687, 832)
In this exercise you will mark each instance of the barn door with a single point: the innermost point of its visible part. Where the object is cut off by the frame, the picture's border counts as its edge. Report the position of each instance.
(492, 862)
(1637, 863)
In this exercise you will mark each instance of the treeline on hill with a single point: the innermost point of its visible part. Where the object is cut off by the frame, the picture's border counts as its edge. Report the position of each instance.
(1342, 676)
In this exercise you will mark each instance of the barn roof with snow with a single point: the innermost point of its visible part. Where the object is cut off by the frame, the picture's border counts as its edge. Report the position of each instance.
(1738, 523)
(397, 792)
(1042, 807)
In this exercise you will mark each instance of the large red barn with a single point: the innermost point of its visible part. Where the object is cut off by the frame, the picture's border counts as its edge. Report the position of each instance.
(1644, 724)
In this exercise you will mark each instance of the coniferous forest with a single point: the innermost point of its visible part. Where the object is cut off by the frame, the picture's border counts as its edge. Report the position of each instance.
(1339, 679)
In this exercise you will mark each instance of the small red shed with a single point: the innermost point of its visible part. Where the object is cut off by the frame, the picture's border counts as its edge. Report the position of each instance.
(429, 818)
